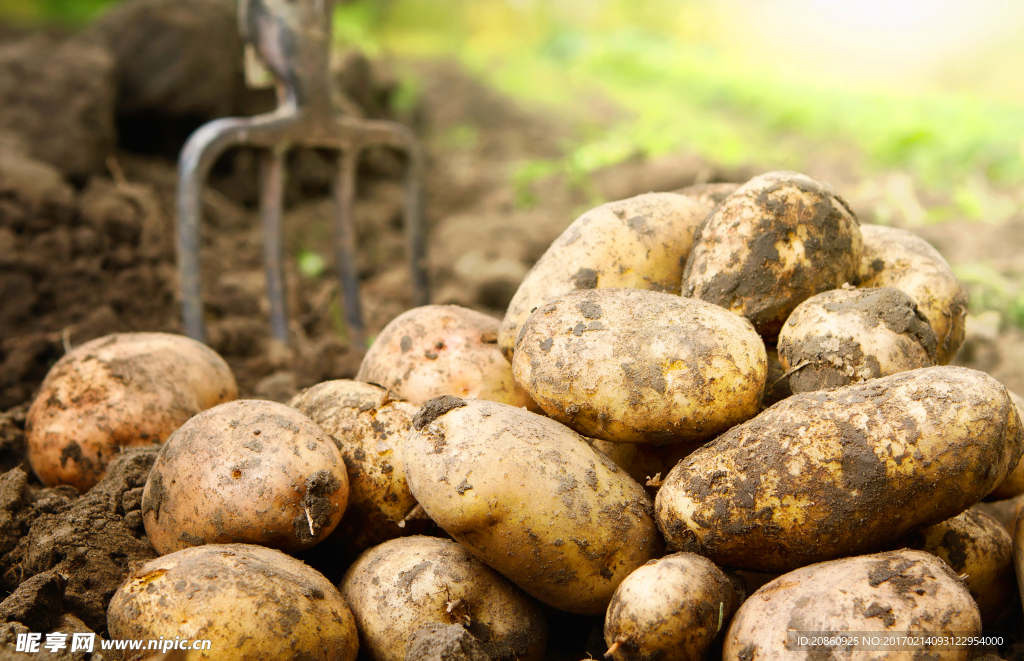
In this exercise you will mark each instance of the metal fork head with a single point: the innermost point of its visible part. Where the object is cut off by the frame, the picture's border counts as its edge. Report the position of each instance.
(292, 37)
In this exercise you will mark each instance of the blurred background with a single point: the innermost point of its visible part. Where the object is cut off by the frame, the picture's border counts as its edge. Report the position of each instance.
(533, 111)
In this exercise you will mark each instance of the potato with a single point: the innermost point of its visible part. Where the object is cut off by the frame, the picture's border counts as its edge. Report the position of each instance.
(439, 350)
(841, 472)
(635, 366)
(400, 586)
(902, 592)
(776, 386)
(779, 239)
(643, 462)
(1013, 485)
(531, 499)
(368, 426)
(978, 547)
(251, 603)
(247, 471)
(1018, 551)
(670, 609)
(851, 335)
(901, 259)
(710, 195)
(638, 243)
(119, 391)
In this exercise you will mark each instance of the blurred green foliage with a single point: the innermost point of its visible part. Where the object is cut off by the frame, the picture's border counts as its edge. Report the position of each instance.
(36, 12)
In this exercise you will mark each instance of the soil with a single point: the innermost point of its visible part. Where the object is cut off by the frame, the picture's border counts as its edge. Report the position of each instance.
(90, 125)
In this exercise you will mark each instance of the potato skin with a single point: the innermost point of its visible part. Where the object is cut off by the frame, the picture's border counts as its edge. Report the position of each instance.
(710, 195)
(368, 426)
(976, 545)
(817, 476)
(122, 390)
(1013, 485)
(638, 243)
(531, 499)
(251, 602)
(901, 259)
(670, 609)
(779, 239)
(439, 350)
(897, 591)
(634, 366)
(399, 586)
(851, 335)
(248, 471)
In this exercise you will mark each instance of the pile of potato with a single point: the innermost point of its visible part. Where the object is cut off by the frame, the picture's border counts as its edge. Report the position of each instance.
(691, 395)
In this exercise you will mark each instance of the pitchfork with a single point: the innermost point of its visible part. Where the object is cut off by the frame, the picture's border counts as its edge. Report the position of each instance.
(292, 38)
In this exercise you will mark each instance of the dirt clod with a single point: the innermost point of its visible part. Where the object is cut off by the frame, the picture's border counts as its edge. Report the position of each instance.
(444, 642)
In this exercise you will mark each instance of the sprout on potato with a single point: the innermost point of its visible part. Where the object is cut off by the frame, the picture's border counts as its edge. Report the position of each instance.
(851, 335)
(368, 425)
(247, 471)
(670, 609)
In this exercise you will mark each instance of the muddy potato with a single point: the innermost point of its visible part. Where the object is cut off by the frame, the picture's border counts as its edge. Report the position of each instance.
(398, 587)
(851, 335)
(634, 366)
(638, 243)
(841, 472)
(903, 592)
(710, 195)
(978, 547)
(368, 426)
(1018, 550)
(779, 239)
(117, 391)
(901, 259)
(647, 464)
(251, 603)
(1013, 485)
(531, 498)
(247, 471)
(439, 350)
(670, 610)
(776, 386)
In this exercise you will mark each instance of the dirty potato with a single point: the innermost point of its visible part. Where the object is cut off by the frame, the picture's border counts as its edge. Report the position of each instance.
(634, 366)
(251, 603)
(670, 610)
(1013, 485)
(638, 243)
(903, 592)
(826, 474)
(776, 386)
(851, 335)
(531, 498)
(647, 464)
(247, 471)
(779, 239)
(122, 390)
(901, 259)
(368, 426)
(710, 195)
(403, 584)
(977, 547)
(439, 350)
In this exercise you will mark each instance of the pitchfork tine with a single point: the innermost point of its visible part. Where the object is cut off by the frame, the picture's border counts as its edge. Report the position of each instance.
(293, 38)
(345, 243)
(271, 203)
